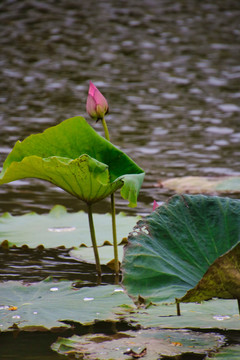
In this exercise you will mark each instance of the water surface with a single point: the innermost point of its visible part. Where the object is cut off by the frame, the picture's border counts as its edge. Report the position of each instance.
(170, 71)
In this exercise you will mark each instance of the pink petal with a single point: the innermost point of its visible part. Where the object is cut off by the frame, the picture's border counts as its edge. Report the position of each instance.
(91, 107)
(92, 88)
(155, 205)
(100, 99)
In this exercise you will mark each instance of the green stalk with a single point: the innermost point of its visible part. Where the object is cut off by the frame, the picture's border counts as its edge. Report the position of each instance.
(105, 129)
(94, 243)
(113, 211)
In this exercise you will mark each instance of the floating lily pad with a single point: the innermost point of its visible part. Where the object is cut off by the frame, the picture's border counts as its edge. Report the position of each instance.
(74, 157)
(203, 185)
(60, 228)
(171, 249)
(105, 254)
(212, 314)
(49, 305)
(227, 353)
(45, 304)
(147, 344)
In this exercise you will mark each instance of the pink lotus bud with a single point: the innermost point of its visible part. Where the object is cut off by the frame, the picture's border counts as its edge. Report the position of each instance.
(97, 105)
(155, 205)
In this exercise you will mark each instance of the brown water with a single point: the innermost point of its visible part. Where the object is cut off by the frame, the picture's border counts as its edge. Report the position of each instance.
(170, 71)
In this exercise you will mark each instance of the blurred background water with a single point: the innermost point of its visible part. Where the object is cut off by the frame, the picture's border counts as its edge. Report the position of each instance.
(169, 69)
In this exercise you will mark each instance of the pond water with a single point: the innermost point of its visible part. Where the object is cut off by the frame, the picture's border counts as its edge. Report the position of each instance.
(169, 69)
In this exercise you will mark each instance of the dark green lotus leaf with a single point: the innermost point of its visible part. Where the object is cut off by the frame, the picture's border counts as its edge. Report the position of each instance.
(74, 157)
(221, 280)
(148, 344)
(171, 249)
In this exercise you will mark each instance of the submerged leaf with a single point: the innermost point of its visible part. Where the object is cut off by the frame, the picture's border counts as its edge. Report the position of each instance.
(171, 249)
(147, 344)
(74, 157)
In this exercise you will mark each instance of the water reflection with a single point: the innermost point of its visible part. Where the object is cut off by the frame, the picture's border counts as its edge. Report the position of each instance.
(31, 265)
(170, 71)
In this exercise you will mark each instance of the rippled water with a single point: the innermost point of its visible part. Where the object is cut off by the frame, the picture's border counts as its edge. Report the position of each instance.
(170, 71)
(32, 265)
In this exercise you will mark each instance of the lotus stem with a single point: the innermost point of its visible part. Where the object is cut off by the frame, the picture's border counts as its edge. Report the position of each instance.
(115, 247)
(94, 243)
(178, 308)
(105, 129)
(113, 211)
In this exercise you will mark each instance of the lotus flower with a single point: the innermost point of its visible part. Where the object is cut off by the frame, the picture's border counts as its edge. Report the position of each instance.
(97, 105)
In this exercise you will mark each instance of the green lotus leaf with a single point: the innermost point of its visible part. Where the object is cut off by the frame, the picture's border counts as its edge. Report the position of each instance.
(227, 353)
(212, 314)
(61, 228)
(74, 157)
(148, 344)
(46, 304)
(170, 250)
(105, 254)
